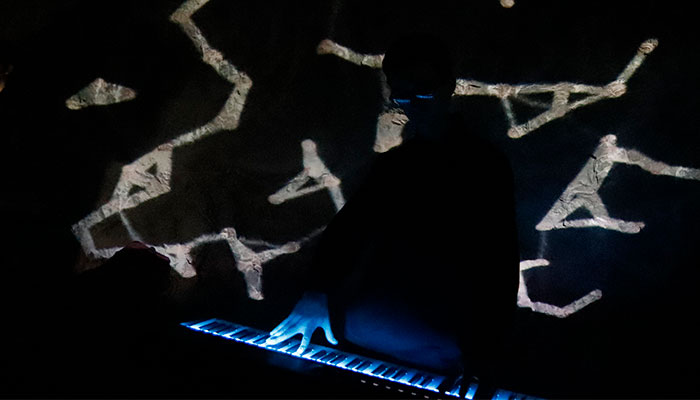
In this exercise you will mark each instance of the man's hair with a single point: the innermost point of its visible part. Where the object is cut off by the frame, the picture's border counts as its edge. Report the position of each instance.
(423, 60)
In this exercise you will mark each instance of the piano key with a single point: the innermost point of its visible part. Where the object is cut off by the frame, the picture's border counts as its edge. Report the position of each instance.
(278, 346)
(434, 383)
(318, 355)
(292, 346)
(218, 328)
(328, 356)
(233, 332)
(502, 395)
(255, 337)
(454, 390)
(361, 367)
(389, 372)
(199, 325)
(210, 326)
(471, 391)
(247, 334)
(425, 381)
(399, 374)
(353, 363)
(308, 351)
(410, 374)
(416, 378)
(337, 359)
(239, 333)
(381, 368)
(259, 340)
(211, 330)
(227, 330)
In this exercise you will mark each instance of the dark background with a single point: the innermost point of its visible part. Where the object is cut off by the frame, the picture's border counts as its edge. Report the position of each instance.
(104, 333)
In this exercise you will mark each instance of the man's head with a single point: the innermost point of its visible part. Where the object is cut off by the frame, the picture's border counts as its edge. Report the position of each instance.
(420, 73)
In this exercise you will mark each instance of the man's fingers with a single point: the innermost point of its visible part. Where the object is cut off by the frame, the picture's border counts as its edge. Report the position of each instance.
(305, 340)
(279, 328)
(287, 331)
(284, 325)
(280, 337)
(329, 335)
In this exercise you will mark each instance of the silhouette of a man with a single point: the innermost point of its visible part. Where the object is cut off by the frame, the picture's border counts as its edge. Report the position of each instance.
(421, 264)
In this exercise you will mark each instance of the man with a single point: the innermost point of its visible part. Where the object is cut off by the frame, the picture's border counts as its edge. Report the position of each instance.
(421, 264)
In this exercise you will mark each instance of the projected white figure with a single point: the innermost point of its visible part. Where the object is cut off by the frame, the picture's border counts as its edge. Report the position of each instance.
(390, 125)
(150, 175)
(583, 190)
(100, 93)
(561, 92)
(247, 261)
(561, 104)
(524, 300)
(315, 170)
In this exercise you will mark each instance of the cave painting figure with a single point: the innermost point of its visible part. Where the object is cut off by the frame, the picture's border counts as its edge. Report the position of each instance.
(560, 105)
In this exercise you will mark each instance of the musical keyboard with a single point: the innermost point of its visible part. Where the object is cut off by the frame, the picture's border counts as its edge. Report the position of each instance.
(410, 378)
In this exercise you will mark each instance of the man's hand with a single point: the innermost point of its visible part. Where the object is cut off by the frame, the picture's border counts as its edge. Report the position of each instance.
(310, 313)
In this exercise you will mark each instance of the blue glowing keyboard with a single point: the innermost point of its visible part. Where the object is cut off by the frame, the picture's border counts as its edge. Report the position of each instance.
(411, 378)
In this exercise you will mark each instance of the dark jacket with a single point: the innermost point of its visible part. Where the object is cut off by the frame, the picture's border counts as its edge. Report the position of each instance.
(433, 227)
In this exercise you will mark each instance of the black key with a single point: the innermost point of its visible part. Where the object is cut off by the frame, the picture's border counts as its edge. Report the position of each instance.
(208, 325)
(417, 377)
(318, 355)
(262, 339)
(280, 345)
(354, 362)
(240, 333)
(453, 389)
(426, 381)
(247, 335)
(212, 326)
(329, 356)
(381, 368)
(389, 372)
(220, 328)
(399, 374)
(363, 365)
(307, 351)
(229, 330)
(292, 344)
(337, 359)
(210, 330)
(256, 336)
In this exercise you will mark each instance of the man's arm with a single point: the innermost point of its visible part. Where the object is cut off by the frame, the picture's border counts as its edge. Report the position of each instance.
(337, 255)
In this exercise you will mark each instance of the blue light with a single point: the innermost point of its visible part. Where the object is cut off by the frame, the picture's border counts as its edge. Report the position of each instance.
(471, 391)
(424, 96)
(287, 349)
(243, 334)
(454, 392)
(402, 101)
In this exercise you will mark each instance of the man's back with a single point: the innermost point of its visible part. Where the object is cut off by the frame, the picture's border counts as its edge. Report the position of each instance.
(429, 239)
(421, 264)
